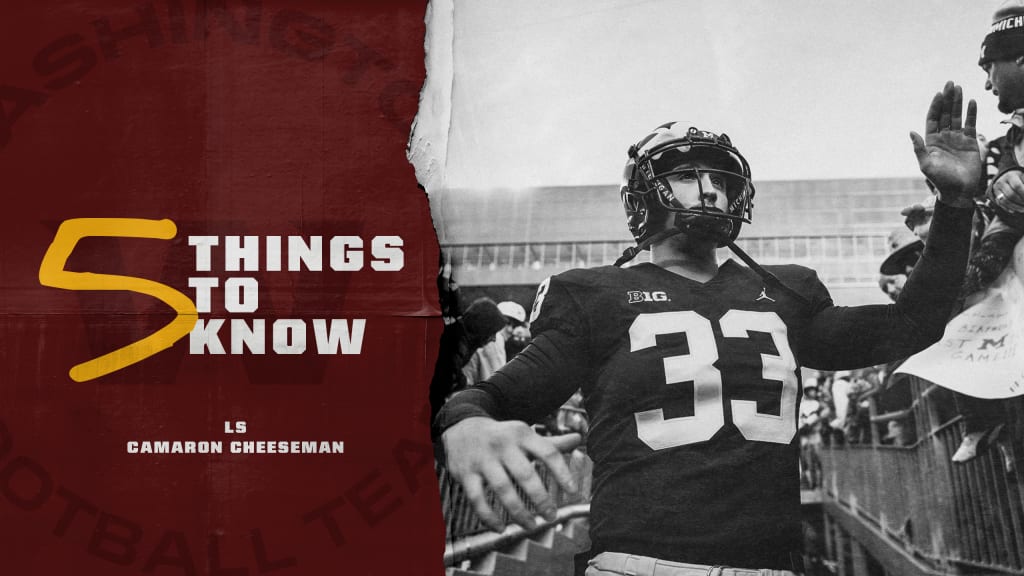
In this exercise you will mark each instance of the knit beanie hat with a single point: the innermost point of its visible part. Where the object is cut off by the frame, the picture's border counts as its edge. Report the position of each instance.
(1005, 39)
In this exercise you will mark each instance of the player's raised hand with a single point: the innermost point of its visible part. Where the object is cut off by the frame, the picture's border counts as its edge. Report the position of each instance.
(481, 451)
(948, 154)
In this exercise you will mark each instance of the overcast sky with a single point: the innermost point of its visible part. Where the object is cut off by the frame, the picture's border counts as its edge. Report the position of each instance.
(552, 93)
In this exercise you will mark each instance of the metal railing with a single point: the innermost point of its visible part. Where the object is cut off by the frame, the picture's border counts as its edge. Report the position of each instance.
(959, 518)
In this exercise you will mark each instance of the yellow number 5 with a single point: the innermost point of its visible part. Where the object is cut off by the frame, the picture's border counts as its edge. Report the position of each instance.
(53, 274)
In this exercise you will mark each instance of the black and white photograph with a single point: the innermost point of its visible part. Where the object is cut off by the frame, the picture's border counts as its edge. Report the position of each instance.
(729, 288)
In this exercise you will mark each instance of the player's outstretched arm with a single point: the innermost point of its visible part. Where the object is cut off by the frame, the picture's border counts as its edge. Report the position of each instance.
(851, 337)
(484, 452)
(948, 153)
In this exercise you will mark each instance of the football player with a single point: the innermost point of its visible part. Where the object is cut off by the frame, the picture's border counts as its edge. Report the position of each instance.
(690, 368)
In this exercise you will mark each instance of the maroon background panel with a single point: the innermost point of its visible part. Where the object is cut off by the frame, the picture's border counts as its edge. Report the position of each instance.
(230, 118)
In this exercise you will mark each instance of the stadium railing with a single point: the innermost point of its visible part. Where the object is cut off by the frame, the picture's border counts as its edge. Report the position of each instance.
(936, 517)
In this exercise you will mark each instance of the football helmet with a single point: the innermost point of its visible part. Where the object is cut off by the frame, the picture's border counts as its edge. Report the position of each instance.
(688, 153)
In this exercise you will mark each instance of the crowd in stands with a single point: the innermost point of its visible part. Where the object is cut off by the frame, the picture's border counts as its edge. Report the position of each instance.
(848, 408)
(477, 339)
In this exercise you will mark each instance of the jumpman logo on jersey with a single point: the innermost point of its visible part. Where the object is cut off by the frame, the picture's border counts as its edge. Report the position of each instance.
(764, 296)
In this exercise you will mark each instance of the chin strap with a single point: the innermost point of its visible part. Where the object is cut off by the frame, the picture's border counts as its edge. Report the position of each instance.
(765, 275)
(681, 225)
(631, 252)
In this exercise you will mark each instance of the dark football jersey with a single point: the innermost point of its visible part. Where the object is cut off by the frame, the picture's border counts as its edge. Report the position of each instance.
(692, 394)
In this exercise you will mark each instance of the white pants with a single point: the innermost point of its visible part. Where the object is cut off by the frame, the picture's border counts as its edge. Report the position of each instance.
(618, 564)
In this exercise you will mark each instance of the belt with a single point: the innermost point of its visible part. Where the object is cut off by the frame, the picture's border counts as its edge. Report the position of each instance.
(632, 565)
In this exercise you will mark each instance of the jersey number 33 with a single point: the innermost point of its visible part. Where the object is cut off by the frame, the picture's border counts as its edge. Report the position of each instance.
(659, 432)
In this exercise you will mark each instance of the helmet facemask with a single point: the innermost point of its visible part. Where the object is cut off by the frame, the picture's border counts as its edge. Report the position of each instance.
(648, 198)
(695, 155)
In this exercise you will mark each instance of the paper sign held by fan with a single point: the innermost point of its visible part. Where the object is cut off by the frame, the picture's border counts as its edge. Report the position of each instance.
(981, 353)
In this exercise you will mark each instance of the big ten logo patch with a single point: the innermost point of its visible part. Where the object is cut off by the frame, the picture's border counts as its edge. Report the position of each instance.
(636, 296)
